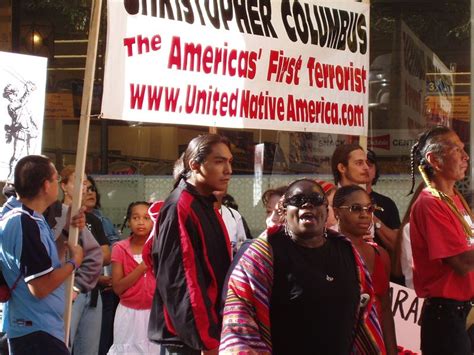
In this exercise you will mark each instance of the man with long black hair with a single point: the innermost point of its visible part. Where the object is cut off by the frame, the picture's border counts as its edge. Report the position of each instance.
(441, 226)
(191, 252)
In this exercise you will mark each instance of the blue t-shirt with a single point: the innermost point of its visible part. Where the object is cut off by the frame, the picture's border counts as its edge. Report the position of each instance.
(109, 229)
(11, 203)
(27, 247)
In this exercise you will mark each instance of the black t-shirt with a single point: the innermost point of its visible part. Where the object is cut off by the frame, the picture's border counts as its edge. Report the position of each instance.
(390, 215)
(315, 296)
(94, 225)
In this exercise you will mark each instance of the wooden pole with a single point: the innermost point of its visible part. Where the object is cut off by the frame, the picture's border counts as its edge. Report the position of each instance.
(471, 123)
(81, 156)
(363, 142)
(363, 139)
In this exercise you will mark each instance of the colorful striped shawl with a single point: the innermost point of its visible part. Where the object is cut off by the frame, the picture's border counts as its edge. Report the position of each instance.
(246, 323)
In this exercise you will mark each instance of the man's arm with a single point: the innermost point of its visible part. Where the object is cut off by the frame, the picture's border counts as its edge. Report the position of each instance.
(389, 220)
(444, 235)
(461, 263)
(36, 264)
(42, 286)
(387, 235)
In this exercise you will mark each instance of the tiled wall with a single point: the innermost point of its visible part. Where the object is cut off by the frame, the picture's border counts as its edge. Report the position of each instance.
(118, 191)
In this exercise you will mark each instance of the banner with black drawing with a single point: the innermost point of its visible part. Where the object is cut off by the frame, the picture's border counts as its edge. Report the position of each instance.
(23, 87)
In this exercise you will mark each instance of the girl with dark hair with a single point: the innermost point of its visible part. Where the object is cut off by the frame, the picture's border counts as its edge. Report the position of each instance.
(441, 225)
(191, 251)
(354, 211)
(299, 288)
(133, 282)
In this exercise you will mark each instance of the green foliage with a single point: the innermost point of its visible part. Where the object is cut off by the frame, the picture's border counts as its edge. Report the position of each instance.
(73, 14)
(433, 21)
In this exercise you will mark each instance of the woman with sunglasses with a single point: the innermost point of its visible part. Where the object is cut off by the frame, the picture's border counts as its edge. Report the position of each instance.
(110, 301)
(354, 211)
(299, 288)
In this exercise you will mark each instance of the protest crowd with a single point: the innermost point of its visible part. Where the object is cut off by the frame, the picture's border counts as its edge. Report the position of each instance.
(191, 279)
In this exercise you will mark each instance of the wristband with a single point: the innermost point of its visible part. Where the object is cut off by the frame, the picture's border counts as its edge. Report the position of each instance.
(73, 263)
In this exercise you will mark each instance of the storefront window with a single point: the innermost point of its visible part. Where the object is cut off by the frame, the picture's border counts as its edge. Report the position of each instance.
(419, 76)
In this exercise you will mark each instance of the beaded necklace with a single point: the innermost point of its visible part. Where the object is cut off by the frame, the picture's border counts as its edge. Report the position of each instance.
(452, 206)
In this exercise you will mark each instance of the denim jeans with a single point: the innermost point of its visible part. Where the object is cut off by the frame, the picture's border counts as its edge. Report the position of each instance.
(37, 343)
(443, 327)
(86, 321)
(109, 304)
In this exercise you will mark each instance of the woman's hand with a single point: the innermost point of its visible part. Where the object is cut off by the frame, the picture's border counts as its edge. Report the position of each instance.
(142, 267)
(105, 282)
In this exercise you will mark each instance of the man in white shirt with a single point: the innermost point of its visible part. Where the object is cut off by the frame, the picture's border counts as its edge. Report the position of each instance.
(232, 220)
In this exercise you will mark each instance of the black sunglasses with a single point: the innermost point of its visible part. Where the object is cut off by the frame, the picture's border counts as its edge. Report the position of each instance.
(299, 200)
(356, 208)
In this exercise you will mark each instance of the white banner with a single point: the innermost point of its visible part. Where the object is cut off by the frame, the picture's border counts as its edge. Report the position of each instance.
(279, 65)
(23, 88)
(406, 308)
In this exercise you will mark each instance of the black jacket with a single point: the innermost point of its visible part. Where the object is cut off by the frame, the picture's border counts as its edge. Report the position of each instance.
(191, 255)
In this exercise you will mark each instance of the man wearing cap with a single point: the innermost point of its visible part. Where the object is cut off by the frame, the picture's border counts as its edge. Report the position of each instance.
(386, 221)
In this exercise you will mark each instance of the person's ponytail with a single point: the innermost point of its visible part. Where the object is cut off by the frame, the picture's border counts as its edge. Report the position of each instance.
(179, 171)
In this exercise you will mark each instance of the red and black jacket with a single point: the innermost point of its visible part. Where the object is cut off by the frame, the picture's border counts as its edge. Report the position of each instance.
(191, 255)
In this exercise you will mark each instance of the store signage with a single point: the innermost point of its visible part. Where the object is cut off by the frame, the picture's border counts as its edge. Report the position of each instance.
(23, 88)
(461, 107)
(59, 106)
(426, 84)
(279, 65)
(394, 142)
(380, 142)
